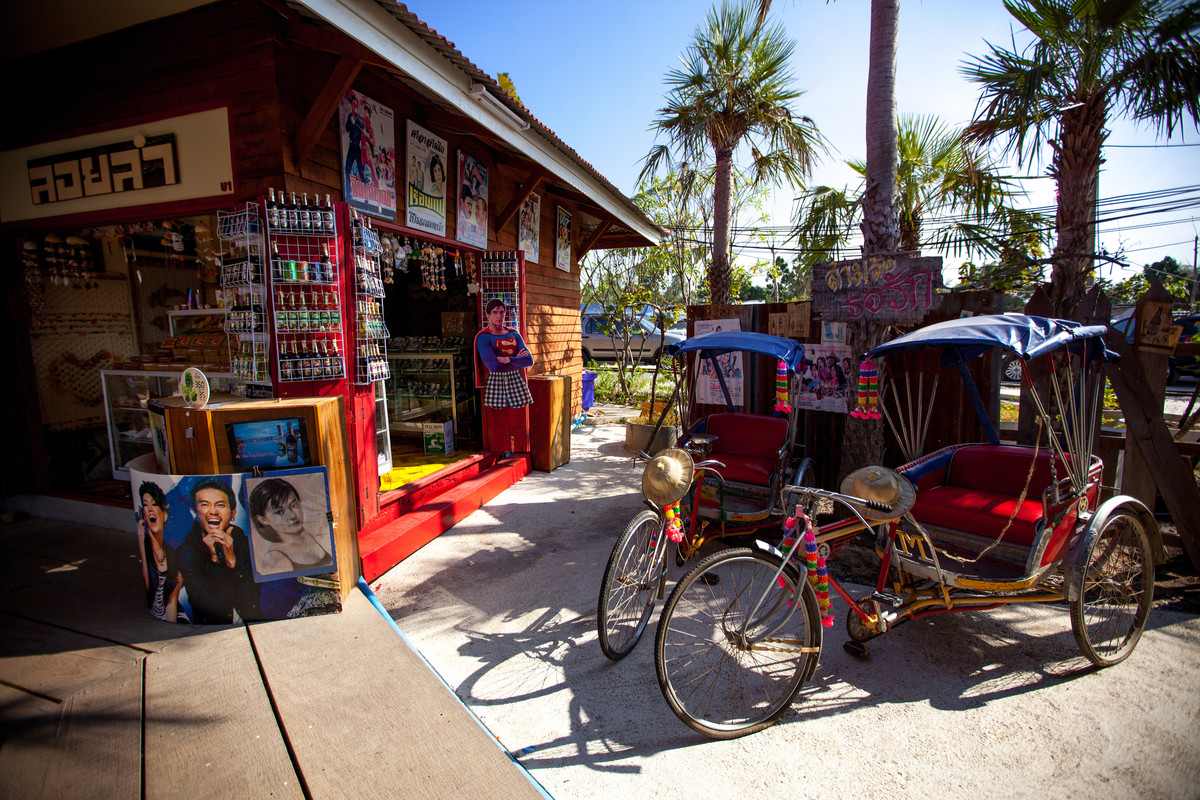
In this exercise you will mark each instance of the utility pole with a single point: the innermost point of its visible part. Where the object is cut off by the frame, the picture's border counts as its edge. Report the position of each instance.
(1195, 246)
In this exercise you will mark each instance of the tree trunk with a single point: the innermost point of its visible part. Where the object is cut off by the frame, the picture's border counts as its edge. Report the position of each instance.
(1076, 170)
(880, 227)
(862, 442)
(720, 276)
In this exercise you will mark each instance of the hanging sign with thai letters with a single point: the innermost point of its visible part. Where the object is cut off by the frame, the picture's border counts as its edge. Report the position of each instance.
(162, 161)
(896, 288)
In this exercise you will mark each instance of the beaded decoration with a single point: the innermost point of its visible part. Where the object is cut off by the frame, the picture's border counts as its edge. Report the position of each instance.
(781, 389)
(867, 406)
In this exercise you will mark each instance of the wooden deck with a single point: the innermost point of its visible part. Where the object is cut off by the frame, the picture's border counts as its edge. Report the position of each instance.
(97, 699)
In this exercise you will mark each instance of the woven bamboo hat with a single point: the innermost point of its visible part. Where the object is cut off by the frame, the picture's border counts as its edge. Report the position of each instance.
(668, 476)
(882, 485)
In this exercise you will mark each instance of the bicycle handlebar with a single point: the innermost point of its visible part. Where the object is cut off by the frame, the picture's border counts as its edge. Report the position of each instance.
(838, 496)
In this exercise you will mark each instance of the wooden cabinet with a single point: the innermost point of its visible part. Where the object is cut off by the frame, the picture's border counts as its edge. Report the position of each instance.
(550, 421)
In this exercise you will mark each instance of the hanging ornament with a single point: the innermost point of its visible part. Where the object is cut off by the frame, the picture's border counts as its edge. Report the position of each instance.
(674, 525)
(781, 389)
(867, 405)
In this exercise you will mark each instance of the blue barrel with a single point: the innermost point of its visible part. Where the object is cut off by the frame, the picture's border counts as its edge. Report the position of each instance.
(589, 390)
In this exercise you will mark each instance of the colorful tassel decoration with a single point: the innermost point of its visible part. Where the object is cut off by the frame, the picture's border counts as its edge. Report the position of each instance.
(781, 389)
(867, 406)
(674, 525)
(818, 573)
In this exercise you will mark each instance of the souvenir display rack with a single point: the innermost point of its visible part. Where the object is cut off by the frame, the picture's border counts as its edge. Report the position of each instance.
(502, 276)
(370, 347)
(243, 280)
(306, 303)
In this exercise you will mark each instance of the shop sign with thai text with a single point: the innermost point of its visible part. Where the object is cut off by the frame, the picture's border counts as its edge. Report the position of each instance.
(177, 158)
(894, 288)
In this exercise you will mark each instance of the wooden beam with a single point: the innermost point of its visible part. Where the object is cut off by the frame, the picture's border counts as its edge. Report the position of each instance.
(325, 106)
(518, 200)
(309, 35)
(594, 236)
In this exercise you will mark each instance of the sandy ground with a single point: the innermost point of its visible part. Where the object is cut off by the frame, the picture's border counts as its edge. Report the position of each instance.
(985, 704)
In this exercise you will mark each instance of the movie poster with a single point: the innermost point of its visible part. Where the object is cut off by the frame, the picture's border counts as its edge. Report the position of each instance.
(528, 225)
(825, 383)
(472, 220)
(708, 385)
(199, 563)
(368, 134)
(426, 193)
(562, 239)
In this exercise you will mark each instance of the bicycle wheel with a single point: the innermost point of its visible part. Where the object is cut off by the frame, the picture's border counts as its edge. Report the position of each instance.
(1118, 587)
(726, 675)
(630, 582)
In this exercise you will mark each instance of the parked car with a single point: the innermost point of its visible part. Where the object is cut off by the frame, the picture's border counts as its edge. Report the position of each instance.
(604, 338)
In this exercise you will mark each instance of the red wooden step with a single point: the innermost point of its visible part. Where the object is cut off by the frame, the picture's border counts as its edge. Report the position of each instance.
(385, 547)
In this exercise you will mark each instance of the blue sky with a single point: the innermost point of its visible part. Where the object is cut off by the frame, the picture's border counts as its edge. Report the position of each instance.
(593, 73)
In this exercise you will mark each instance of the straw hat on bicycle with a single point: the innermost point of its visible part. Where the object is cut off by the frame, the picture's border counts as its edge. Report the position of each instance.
(668, 476)
(882, 485)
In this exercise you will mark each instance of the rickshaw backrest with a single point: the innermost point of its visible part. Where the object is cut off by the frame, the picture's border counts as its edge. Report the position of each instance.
(1002, 469)
(741, 434)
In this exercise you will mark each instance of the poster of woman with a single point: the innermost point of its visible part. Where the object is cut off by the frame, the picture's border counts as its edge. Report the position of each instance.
(528, 224)
(425, 199)
(368, 154)
(708, 386)
(289, 519)
(562, 239)
(472, 221)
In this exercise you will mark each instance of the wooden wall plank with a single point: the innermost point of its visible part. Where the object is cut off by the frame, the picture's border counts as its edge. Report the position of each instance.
(210, 730)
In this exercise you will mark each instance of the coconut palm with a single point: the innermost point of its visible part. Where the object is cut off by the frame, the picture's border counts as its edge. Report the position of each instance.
(1090, 60)
(938, 174)
(731, 95)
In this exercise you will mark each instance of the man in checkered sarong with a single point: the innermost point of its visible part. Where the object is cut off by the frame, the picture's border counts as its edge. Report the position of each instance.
(504, 354)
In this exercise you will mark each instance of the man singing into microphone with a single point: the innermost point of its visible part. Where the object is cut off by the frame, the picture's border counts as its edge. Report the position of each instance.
(215, 558)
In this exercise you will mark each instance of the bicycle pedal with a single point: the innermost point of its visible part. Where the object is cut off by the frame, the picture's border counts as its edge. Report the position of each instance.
(886, 599)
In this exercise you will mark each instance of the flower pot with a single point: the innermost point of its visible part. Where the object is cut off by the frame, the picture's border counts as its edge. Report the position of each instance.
(637, 437)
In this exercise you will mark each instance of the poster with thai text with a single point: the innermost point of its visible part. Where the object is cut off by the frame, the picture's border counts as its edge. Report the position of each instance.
(426, 193)
(826, 380)
(708, 385)
(368, 134)
(472, 219)
(529, 221)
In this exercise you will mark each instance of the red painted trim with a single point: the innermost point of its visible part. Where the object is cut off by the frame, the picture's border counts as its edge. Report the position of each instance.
(115, 216)
(387, 546)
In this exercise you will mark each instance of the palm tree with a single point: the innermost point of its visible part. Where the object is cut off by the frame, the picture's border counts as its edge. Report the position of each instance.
(733, 93)
(938, 174)
(1088, 61)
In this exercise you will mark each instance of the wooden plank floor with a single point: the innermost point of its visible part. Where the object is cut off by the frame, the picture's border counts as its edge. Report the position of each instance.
(99, 700)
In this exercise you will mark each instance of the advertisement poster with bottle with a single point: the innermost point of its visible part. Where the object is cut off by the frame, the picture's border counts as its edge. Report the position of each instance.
(368, 135)
(472, 218)
(708, 385)
(425, 196)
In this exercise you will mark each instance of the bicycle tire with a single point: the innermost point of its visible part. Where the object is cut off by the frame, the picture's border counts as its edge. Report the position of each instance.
(715, 682)
(1117, 591)
(630, 583)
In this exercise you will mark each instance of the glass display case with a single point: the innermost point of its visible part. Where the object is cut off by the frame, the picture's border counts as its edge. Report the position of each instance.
(132, 426)
(429, 386)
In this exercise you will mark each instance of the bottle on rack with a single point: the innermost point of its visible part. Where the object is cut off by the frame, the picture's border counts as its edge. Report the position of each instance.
(304, 216)
(272, 210)
(327, 215)
(293, 214)
(326, 263)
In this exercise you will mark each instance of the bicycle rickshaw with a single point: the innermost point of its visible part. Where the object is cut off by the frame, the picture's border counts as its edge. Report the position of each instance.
(725, 477)
(969, 527)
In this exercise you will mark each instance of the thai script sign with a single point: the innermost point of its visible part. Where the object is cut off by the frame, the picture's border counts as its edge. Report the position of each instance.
(898, 288)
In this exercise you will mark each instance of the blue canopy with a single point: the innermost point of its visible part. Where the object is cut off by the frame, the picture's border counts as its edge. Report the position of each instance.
(785, 350)
(1027, 337)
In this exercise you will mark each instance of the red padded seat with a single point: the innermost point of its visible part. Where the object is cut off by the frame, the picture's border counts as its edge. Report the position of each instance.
(980, 490)
(748, 445)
